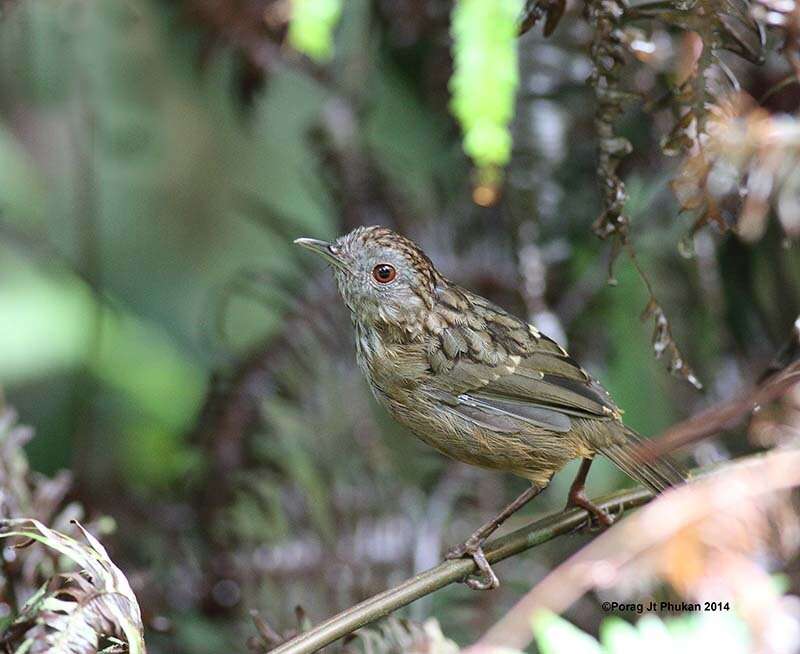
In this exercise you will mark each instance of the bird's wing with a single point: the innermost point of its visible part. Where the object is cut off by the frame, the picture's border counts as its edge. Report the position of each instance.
(501, 373)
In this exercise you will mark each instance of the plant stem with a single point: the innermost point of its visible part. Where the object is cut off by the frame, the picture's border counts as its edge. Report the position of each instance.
(446, 573)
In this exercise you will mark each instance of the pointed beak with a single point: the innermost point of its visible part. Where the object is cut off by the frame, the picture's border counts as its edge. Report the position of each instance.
(326, 250)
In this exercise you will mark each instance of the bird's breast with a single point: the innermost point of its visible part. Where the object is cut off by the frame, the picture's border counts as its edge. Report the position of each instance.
(395, 366)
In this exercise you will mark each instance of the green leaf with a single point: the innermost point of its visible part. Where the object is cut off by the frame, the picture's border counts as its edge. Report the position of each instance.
(312, 25)
(554, 635)
(707, 632)
(485, 78)
(620, 637)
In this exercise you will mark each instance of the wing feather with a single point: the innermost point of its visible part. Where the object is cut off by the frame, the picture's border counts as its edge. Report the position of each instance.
(507, 376)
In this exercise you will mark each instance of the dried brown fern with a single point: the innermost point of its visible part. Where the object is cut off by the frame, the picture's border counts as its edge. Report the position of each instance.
(92, 610)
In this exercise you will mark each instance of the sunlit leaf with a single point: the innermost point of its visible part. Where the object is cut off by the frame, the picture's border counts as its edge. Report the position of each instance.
(485, 78)
(312, 25)
(555, 635)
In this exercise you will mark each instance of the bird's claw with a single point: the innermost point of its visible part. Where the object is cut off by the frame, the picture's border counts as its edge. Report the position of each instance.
(616, 514)
(462, 550)
(598, 518)
(486, 579)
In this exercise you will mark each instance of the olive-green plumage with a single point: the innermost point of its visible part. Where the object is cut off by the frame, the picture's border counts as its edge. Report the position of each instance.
(468, 378)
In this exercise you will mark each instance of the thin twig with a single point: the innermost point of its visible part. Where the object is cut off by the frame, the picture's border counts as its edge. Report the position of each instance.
(449, 572)
(725, 415)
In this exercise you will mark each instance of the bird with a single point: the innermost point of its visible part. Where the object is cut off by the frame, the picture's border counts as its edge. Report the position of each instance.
(475, 382)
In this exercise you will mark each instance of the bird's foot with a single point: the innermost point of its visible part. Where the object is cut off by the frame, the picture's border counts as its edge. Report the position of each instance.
(598, 518)
(486, 579)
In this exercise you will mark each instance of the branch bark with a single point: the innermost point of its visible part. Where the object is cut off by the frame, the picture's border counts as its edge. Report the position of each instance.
(446, 573)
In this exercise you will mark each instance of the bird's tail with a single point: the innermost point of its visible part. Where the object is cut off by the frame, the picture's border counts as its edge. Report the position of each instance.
(657, 474)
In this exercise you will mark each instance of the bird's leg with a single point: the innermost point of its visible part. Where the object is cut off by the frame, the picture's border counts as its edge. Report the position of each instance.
(473, 546)
(577, 497)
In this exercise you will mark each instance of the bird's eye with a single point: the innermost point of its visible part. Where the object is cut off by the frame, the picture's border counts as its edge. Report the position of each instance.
(383, 273)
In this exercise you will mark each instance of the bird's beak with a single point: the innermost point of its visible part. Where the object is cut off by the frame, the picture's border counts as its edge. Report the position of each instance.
(326, 250)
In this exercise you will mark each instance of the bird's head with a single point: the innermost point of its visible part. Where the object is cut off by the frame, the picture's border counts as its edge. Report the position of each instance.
(383, 277)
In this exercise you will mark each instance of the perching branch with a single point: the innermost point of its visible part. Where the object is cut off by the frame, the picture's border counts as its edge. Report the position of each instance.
(444, 574)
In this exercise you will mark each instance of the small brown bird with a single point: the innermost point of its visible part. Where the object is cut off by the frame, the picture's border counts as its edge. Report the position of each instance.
(473, 381)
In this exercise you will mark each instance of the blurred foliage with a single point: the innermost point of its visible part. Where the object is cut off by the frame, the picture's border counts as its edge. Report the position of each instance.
(485, 78)
(195, 374)
(701, 632)
(311, 27)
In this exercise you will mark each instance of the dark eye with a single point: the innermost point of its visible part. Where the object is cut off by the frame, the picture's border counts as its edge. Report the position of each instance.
(383, 273)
